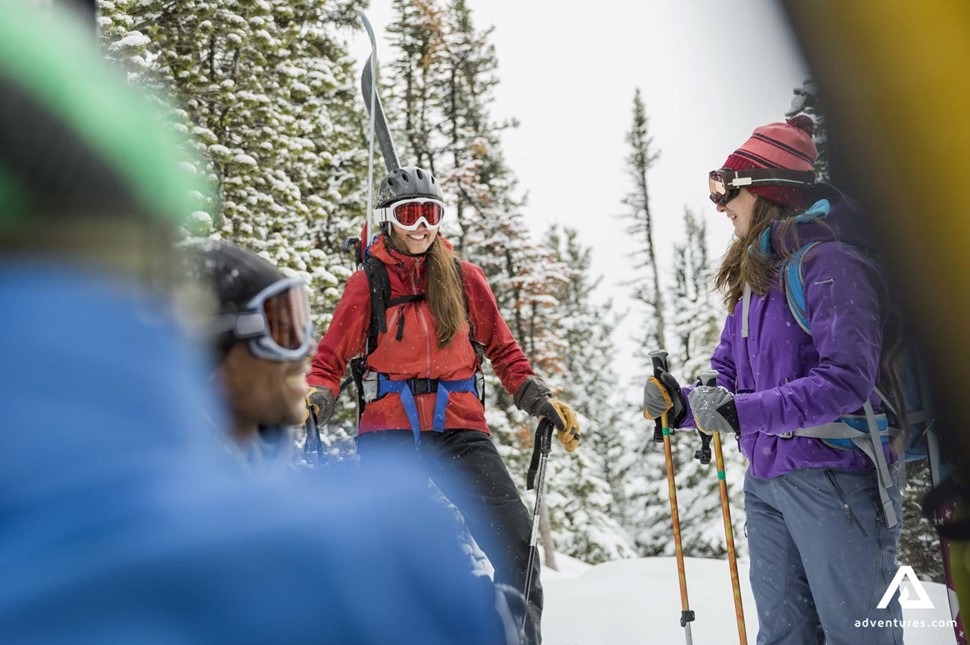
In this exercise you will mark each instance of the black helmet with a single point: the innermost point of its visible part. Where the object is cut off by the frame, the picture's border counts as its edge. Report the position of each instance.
(408, 182)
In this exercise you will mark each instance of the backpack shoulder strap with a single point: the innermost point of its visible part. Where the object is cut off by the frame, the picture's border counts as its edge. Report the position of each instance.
(380, 294)
(794, 283)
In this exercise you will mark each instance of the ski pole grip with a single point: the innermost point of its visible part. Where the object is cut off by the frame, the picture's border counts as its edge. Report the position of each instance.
(544, 436)
(708, 377)
(540, 449)
(659, 359)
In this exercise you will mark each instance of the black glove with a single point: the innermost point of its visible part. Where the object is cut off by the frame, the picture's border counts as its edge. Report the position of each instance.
(661, 395)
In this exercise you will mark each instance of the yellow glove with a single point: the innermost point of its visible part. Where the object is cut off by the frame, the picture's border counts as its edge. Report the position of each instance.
(319, 401)
(563, 417)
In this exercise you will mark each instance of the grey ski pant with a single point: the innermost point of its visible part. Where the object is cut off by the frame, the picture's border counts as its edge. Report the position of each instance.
(822, 557)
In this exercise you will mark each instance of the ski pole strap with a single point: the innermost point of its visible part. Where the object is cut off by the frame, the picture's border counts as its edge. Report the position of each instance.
(541, 446)
(407, 389)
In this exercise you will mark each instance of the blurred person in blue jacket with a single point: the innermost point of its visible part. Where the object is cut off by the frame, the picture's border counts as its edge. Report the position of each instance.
(120, 517)
(259, 332)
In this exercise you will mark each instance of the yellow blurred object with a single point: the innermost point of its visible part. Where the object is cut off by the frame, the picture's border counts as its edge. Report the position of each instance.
(892, 77)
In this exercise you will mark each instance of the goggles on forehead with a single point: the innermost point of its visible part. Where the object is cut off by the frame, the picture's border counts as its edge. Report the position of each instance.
(275, 322)
(725, 184)
(409, 214)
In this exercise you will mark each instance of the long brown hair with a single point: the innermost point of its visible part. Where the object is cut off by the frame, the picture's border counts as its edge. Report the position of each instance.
(443, 289)
(745, 262)
(444, 292)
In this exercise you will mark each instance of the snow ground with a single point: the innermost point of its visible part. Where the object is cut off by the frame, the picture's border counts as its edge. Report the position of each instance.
(633, 602)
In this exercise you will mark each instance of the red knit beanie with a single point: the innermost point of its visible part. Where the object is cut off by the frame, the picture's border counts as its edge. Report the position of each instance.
(779, 145)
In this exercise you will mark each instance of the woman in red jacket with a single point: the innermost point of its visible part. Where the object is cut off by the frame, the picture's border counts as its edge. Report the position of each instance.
(421, 371)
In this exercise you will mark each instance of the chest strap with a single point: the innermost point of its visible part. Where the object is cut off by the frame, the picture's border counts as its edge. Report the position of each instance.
(407, 389)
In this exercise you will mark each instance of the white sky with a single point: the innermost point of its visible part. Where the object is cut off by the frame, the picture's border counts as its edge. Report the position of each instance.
(709, 74)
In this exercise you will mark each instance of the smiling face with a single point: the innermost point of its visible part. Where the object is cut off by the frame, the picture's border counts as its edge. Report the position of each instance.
(740, 211)
(262, 392)
(414, 242)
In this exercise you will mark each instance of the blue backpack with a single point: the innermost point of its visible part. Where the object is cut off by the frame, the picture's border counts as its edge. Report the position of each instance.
(917, 403)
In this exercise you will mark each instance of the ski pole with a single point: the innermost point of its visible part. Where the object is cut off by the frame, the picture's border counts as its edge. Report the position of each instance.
(659, 358)
(536, 479)
(709, 377)
(313, 444)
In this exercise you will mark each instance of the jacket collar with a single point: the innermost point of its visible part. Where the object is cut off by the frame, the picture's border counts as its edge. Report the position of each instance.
(834, 216)
(382, 250)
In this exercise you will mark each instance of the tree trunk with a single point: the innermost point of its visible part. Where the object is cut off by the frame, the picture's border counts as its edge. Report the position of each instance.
(545, 533)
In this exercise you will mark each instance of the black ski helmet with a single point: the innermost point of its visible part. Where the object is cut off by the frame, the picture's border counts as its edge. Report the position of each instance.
(406, 183)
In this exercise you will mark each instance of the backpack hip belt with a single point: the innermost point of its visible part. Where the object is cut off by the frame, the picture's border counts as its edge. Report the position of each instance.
(867, 433)
(407, 389)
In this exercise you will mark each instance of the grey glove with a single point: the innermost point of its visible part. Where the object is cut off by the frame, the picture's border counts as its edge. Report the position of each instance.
(663, 394)
(714, 410)
(320, 403)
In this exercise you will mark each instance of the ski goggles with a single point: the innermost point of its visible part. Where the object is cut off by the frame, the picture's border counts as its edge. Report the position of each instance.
(725, 184)
(276, 322)
(409, 214)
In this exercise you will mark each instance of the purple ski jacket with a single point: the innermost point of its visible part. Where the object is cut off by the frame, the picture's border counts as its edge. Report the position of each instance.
(784, 379)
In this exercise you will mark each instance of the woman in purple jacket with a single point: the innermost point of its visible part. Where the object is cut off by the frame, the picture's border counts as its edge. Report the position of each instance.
(822, 501)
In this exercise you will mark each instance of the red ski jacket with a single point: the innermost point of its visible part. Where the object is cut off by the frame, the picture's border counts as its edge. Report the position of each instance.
(417, 354)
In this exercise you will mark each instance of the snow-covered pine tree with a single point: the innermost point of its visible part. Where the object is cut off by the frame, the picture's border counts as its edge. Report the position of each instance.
(646, 274)
(919, 543)
(414, 78)
(806, 101)
(695, 316)
(270, 94)
(640, 467)
(585, 512)
(269, 91)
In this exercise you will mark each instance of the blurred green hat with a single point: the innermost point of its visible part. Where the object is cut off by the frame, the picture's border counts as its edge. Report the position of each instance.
(75, 139)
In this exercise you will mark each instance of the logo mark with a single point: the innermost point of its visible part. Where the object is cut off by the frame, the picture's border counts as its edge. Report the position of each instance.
(922, 600)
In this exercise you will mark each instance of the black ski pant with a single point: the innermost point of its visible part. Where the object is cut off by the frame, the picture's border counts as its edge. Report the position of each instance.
(468, 470)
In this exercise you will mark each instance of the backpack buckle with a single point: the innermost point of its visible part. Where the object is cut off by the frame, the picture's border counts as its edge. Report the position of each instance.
(422, 386)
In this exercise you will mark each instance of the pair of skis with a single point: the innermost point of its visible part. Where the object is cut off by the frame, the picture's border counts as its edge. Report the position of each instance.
(378, 123)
